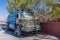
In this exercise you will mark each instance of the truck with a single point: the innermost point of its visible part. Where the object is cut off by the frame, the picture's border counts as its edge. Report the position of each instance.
(22, 21)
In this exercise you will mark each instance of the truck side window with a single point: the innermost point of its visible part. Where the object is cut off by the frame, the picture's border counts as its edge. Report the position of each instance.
(17, 15)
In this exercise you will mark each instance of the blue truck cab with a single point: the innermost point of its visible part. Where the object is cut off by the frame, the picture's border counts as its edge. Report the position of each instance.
(12, 20)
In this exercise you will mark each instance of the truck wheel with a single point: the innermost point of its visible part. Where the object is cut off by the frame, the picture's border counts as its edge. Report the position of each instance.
(8, 27)
(17, 30)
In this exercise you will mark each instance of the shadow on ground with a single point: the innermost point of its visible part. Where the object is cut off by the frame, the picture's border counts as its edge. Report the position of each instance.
(25, 35)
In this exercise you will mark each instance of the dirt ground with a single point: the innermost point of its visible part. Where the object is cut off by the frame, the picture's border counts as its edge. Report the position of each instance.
(9, 35)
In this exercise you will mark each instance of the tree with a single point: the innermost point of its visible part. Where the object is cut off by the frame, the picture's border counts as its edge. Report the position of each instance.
(10, 7)
(23, 4)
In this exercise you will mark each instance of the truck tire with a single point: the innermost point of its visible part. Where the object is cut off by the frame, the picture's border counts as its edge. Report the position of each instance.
(17, 30)
(7, 27)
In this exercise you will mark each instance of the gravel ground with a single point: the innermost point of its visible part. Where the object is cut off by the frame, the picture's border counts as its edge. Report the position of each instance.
(8, 35)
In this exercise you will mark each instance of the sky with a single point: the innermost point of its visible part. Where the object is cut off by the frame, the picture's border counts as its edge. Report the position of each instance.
(3, 9)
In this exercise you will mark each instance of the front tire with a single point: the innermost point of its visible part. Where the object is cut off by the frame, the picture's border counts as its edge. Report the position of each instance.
(7, 27)
(18, 30)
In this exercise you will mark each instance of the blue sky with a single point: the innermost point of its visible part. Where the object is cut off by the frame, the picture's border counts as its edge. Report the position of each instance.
(3, 9)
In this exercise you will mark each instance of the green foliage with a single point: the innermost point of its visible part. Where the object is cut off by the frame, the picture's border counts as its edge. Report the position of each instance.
(56, 12)
(27, 5)
(58, 0)
(50, 2)
(23, 4)
(11, 10)
(10, 2)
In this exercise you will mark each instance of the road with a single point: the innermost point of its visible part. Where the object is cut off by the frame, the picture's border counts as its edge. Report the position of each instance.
(9, 35)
